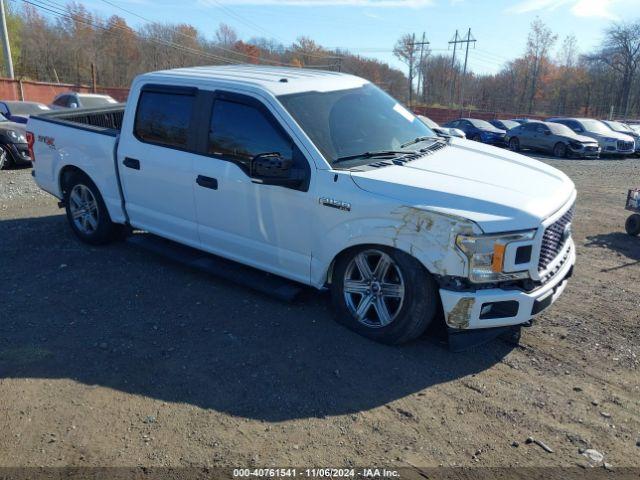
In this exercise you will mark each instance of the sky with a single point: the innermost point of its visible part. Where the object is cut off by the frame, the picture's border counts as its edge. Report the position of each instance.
(371, 27)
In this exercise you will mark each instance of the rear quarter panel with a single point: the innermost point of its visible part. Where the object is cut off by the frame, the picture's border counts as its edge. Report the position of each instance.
(57, 146)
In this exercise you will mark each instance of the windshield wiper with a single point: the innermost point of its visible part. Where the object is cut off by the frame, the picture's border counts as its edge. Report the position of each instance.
(418, 140)
(379, 153)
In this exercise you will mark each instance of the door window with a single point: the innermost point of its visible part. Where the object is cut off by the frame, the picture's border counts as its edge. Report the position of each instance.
(164, 118)
(239, 132)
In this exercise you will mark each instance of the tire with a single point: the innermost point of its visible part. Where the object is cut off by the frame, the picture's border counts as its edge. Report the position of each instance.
(560, 150)
(477, 138)
(86, 212)
(514, 144)
(5, 159)
(632, 225)
(411, 303)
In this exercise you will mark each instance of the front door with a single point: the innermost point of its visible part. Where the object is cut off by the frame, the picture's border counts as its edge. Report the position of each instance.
(266, 226)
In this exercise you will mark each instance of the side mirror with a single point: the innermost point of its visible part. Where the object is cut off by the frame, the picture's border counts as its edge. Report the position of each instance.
(272, 169)
(73, 105)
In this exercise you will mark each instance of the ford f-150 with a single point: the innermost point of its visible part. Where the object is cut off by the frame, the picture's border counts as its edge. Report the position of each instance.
(324, 179)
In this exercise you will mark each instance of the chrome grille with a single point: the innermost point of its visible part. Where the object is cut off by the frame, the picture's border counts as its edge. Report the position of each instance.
(624, 145)
(553, 239)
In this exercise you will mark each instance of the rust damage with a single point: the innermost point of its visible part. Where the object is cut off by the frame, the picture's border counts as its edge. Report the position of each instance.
(459, 315)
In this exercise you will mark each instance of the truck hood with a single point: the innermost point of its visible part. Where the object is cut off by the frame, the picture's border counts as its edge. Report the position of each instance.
(497, 189)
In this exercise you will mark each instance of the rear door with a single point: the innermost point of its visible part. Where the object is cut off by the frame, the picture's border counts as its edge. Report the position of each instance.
(528, 138)
(156, 162)
(266, 226)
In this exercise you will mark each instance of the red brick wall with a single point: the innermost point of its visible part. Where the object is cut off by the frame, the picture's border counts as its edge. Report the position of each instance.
(45, 92)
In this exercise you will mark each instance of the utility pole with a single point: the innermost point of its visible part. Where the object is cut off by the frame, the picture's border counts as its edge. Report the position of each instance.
(413, 45)
(6, 48)
(455, 42)
(469, 40)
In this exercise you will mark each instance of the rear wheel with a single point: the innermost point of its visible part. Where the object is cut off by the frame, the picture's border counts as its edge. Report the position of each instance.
(632, 226)
(86, 212)
(560, 150)
(514, 144)
(383, 294)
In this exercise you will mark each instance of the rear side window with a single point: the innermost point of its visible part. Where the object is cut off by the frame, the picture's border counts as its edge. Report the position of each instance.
(239, 132)
(164, 118)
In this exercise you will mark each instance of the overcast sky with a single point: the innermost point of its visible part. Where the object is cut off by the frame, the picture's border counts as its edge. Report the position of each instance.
(371, 27)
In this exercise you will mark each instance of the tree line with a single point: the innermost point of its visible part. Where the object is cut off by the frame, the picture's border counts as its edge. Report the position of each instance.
(68, 44)
(551, 77)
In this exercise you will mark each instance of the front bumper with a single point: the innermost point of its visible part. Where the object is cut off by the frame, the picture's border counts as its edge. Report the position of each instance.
(463, 309)
(585, 152)
(19, 153)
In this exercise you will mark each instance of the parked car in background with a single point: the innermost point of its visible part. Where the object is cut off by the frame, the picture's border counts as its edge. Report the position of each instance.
(625, 130)
(554, 138)
(13, 143)
(611, 143)
(82, 100)
(504, 124)
(19, 112)
(478, 130)
(442, 131)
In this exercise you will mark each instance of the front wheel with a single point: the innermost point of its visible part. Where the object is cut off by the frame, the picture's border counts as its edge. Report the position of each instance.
(514, 145)
(632, 226)
(560, 150)
(86, 212)
(383, 294)
(5, 158)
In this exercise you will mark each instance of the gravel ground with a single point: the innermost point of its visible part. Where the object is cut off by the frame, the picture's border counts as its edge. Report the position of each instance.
(116, 357)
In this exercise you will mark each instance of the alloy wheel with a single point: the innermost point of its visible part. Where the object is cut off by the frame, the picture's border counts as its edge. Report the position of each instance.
(84, 209)
(373, 288)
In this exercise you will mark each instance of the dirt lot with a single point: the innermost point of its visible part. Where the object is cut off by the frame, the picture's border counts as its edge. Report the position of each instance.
(116, 357)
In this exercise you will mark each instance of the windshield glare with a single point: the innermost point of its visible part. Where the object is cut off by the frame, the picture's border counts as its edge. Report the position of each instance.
(24, 108)
(95, 102)
(559, 129)
(351, 122)
(483, 124)
(596, 126)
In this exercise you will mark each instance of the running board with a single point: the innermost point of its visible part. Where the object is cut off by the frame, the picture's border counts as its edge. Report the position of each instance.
(257, 280)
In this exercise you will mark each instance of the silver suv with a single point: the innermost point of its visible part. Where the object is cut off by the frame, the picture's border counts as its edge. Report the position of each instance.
(611, 143)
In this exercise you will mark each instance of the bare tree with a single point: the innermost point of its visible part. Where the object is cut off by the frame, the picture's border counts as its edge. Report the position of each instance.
(540, 41)
(621, 52)
(406, 51)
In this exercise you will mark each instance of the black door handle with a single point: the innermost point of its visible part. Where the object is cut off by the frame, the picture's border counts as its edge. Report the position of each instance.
(207, 182)
(131, 163)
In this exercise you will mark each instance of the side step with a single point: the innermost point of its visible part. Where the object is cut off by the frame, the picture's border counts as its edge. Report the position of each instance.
(257, 280)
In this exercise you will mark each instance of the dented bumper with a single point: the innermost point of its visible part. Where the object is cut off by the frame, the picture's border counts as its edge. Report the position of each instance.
(496, 307)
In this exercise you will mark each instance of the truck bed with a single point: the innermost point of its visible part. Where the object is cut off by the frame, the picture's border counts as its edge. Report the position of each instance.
(104, 120)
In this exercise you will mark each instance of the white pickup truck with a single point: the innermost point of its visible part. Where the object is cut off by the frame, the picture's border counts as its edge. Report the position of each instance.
(324, 179)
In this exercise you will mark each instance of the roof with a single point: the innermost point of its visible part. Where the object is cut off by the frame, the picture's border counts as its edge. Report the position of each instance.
(276, 80)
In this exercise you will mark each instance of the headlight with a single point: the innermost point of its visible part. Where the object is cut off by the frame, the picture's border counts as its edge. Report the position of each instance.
(486, 255)
(17, 137)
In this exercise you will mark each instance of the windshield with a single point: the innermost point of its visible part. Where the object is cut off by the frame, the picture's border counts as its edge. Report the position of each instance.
(559, 129)
(428, 122)
(595, 126)
(24, 108)
(509, 124)
(351, 122)
(95, 102)
(483, 124)
(617, 126)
